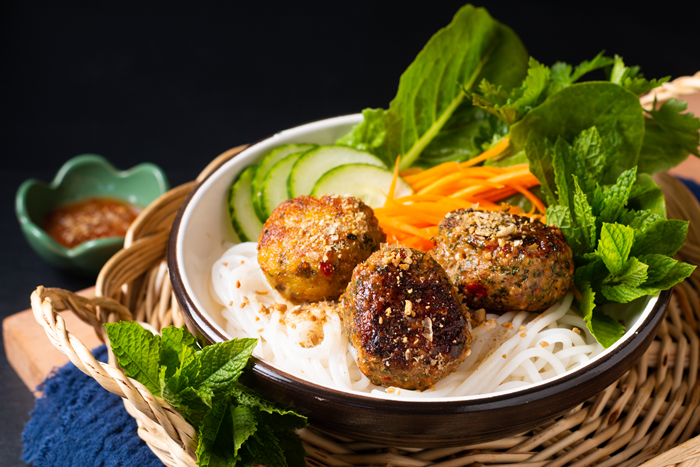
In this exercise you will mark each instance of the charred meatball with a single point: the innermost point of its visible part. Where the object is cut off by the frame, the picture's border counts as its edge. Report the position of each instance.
(504, 262)
(309, 246)
(404, 318)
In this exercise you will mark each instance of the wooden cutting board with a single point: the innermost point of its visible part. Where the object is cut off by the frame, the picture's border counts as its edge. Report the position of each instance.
(30, 352)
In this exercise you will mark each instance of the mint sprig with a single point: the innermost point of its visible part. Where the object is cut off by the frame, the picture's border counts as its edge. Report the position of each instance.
(621, 240)
(235, 425)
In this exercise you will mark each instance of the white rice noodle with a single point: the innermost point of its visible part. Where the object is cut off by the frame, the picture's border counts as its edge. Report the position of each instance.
(510, 351)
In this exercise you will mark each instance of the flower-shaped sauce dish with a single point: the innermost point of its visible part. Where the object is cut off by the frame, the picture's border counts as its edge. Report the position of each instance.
(84, 180)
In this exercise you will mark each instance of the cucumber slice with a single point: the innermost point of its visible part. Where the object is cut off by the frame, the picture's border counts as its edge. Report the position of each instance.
(367, 182)
(274, 190)
(316, 162)
(240, 207)
(264, 167)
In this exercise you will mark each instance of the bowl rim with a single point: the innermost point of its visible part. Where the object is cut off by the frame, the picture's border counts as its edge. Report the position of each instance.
(539, 391)
(41, 235)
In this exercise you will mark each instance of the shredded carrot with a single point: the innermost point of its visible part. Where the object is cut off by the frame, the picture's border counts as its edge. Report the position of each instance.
(412, 220)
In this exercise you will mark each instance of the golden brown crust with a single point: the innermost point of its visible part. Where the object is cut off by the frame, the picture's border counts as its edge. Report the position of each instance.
(309, 246)
(404, 318)
(504, 262)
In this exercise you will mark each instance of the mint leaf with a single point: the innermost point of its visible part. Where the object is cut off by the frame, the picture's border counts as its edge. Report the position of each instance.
(178, 346)
(280, 418)
(592, 273)
(221, 365)
(605, 329)
(137, 351)
(584, 216)
(540, 154)
(633, 273)
(665, 272)
(188, 402)
(590, 148)
(215, 438)
(626, 293)
(244, 426)
(293, 449)
(664, 237)
(615, 245)
(647, 195)
(639, 220)
(561, 217)
(616, 196)
(264, 446)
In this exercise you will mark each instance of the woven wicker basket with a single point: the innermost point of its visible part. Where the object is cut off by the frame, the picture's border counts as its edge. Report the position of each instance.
(649, 415)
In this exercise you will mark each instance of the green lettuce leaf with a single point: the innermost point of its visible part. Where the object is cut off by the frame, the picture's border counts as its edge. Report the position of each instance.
(471, 48)
(613, 110)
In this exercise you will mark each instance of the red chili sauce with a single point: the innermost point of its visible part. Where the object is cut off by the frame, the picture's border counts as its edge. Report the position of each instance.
(87, 220)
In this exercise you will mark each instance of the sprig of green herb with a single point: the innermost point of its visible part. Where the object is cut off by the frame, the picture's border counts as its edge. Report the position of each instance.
(621, 240)
(235, 426)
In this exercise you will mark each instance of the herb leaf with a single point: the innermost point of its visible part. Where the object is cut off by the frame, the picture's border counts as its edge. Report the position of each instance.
(178, 347)
(669, 137)
(606, 330)
(615, 245)
(137, 351)
(663, 237)
(221, 365)
(614, 111)
(630, 78)
(471, 48)
(234, 424)
(665, 272)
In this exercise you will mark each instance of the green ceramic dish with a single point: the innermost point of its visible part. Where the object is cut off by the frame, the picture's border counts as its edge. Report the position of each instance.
(80, 178)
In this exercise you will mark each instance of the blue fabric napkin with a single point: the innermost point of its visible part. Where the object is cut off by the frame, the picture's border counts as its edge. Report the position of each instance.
(77, 423)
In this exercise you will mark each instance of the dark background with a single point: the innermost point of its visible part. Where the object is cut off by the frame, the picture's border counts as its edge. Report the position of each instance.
(177, 84)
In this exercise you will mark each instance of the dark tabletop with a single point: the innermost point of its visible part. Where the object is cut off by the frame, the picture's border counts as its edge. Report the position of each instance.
(177, 84)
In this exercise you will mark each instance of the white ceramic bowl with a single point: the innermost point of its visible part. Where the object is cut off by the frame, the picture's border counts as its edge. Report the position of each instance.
(198, 239)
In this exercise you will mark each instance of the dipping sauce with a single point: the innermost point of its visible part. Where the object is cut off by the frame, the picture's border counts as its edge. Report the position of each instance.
(77, 223)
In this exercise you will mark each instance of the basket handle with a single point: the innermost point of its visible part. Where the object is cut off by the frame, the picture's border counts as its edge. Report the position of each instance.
(47, 303)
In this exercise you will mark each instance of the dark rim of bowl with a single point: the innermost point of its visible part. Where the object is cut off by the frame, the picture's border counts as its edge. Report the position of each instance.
(637, 343)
